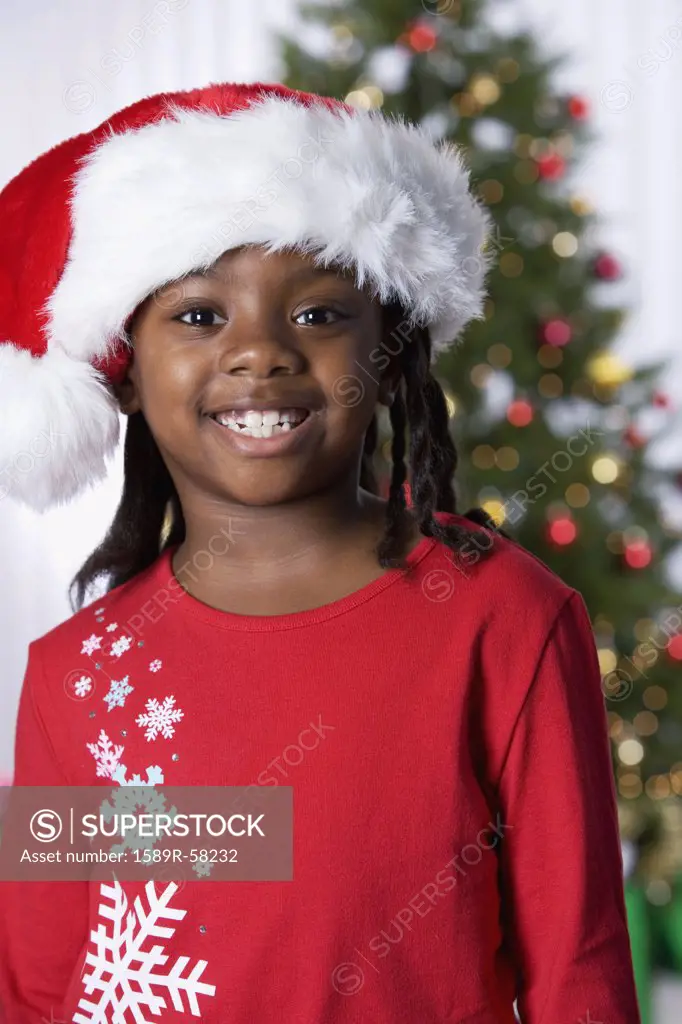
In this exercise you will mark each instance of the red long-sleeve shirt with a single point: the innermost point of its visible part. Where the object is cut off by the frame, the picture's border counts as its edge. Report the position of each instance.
(455, 834)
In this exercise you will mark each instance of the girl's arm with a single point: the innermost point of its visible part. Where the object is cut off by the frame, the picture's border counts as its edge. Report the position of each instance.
(43, 925)
(563, 901)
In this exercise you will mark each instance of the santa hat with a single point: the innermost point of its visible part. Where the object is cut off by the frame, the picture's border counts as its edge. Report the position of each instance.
(163, 188)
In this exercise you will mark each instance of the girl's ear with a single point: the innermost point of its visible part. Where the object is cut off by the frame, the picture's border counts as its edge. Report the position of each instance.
(126, 391)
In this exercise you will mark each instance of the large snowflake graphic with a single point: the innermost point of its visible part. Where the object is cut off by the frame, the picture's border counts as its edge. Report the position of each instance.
(106, 755)
(160, 718)
(129, 980)
(134, 796)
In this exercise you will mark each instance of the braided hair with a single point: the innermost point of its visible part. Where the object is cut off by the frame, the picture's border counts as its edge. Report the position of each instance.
(149, 516)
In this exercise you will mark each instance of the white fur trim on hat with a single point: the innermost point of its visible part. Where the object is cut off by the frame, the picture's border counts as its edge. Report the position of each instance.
(362, 190)
(62, 428)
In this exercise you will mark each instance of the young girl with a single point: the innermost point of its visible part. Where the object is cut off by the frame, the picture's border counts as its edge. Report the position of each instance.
(247, 273)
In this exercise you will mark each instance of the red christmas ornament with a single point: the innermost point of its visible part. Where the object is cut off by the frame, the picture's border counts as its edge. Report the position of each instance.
(520, 413)
(578, 108)
(562, 531)
(420, 37)
(674, 648)
(660, 399)
(633, 438)
(607, 267)
(637, 554)
(551, 166)
(556, 332)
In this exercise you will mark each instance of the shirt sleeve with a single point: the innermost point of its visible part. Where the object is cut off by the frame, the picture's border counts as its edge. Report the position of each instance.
(561, 864)
(43, 925)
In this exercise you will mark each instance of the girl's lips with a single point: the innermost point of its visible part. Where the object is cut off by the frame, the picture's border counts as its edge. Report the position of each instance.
(267, 447)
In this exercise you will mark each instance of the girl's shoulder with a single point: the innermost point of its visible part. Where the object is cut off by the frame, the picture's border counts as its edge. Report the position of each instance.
(111, 624)
(499, 566)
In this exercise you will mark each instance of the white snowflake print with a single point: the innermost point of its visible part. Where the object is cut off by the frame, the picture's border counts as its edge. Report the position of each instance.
(99, 611)
(125, 966)
(106, 755)
(121, 645)
(118, 691)
(159, 718)
(92, 644)
(112, 627)
(82, 686)
(134, 796)
(202, 868)
(155, 665)
(154, 776)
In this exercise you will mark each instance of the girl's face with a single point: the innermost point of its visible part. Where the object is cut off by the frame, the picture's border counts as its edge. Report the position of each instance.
(258, 330)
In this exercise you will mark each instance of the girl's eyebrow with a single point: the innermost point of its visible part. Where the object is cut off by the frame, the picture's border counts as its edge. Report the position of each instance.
(225, 276)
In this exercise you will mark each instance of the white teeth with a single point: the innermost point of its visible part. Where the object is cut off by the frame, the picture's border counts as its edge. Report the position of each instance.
(256, 423)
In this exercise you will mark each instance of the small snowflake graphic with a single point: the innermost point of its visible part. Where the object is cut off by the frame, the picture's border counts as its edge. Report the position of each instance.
(105, 754)
(112, 627)
(154, 776)
(202, 868)
(159, 718)
(99, 611)
(82, 686)
(92, 644)
(155, 665)
(121, 645)
(118, 691)
(126, 967)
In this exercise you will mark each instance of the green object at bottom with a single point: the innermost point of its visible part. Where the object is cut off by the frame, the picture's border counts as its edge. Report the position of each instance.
(640, 941)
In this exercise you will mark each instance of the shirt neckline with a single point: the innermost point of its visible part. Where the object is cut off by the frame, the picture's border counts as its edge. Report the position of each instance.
(292, 620)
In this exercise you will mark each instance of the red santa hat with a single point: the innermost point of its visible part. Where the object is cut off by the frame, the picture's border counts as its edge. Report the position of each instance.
(163, 188)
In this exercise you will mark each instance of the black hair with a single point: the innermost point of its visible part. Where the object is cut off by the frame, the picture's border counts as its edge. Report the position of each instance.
(149, 517)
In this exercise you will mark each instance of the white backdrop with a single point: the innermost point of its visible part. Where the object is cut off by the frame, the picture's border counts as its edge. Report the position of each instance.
(67, 65)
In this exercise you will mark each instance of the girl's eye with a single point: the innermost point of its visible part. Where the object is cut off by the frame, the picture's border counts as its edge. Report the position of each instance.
(200, 316)
(319, 310)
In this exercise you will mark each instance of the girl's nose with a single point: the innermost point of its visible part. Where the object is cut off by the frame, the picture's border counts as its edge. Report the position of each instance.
(259, 349)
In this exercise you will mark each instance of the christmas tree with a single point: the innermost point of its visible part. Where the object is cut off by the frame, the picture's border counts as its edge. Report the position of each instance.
(552, 427)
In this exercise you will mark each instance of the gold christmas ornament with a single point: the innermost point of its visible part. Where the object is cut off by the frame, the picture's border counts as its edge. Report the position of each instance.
(608, 369)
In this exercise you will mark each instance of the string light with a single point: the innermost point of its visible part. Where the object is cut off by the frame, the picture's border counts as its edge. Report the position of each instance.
(526, 172)
(491, 191)
(359, 99)
(485, 89)
(511, 264)
(550, 385)
(499, 356)
(608, 659)
(479, 374)
(645, 723)
(630, 786)
(605, 469)
(655, 698)
(577, 495)
(507, 458)
(562, 531)
(483, 456)
(549, 356)
(495, 509)
(520, 413)
(630, 752)
(565, 244)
